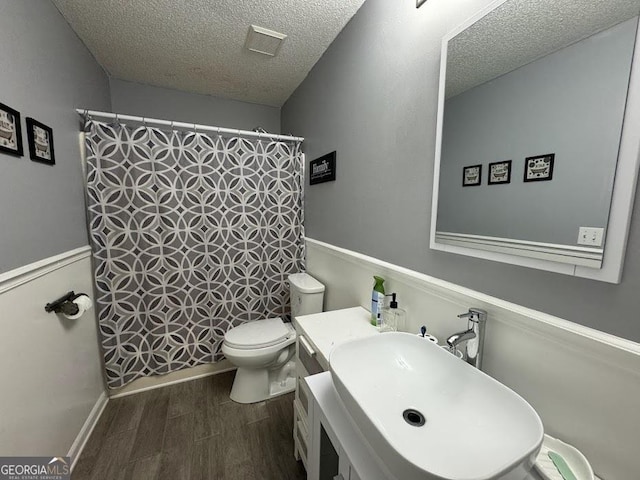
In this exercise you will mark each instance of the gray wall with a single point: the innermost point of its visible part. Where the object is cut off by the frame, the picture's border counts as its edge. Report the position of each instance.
(46, 73)
(372, 97)
(570, 103)
(167, 104)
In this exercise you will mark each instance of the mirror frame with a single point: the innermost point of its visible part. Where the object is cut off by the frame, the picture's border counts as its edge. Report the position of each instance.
(624, 187)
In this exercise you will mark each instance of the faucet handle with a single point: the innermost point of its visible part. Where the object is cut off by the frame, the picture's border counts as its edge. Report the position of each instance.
(474, 315)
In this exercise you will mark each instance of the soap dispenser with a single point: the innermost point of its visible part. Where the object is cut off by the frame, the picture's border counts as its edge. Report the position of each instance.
(393, 318)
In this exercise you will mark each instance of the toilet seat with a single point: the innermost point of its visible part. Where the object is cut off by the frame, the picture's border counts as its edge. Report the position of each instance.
(258, 334)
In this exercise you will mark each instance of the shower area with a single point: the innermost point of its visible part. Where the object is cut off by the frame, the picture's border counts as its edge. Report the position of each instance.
(194, 230)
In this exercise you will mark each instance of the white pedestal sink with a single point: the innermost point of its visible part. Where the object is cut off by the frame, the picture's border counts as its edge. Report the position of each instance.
(429, 415)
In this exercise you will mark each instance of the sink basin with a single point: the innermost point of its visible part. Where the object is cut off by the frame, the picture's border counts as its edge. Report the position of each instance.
(474, 427)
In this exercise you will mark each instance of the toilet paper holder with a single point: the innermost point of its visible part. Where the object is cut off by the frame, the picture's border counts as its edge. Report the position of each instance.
(65, 304)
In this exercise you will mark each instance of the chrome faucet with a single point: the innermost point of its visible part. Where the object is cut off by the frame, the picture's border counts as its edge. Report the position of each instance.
(474, 336)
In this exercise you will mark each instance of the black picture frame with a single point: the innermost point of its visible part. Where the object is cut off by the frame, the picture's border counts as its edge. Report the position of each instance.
(539, 168)
(10, 131)
(40, 139)
(499, 173)
(472, 176)
(322, 169)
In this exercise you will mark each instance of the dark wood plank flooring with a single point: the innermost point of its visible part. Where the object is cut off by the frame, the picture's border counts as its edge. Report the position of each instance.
(192, 431)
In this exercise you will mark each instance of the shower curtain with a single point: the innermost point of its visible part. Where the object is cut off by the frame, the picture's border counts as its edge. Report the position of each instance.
(192, 234)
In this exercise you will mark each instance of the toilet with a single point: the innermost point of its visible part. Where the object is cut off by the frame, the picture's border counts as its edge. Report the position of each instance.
(263, 350)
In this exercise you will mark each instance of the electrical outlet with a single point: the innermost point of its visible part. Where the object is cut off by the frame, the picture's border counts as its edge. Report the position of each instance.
(591, 236)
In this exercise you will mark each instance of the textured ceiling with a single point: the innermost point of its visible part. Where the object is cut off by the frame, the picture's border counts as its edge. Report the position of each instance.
(521, 31)
(197, 45)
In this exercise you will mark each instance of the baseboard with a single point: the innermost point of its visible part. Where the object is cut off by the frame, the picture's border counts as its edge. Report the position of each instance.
(185, 375)
(86, 430)
(90, 423)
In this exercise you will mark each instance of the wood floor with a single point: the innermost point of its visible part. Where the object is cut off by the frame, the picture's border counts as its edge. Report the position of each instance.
(191, 431)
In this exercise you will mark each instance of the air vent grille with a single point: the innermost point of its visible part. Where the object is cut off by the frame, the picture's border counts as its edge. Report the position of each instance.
(263, 40)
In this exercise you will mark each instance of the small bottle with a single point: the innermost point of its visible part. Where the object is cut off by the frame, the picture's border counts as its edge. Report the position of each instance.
(393, 318)
(377, 301)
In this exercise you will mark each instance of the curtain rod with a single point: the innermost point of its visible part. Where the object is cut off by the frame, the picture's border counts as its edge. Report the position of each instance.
(192, 126)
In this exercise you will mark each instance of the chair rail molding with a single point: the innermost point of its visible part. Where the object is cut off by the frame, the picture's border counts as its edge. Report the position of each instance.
(27, 273)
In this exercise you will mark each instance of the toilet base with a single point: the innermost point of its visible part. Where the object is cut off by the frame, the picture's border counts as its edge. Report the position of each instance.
(277, 388)
(258, 385)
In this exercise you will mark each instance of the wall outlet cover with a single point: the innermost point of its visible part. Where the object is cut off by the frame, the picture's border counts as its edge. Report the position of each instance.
(591, 236)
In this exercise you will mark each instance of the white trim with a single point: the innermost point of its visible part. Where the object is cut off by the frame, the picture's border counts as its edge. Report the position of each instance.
(459, 294)
(587, 257)
(172, 382)
(624, 186)
(85, 432)
(190, 126)
(21, 275)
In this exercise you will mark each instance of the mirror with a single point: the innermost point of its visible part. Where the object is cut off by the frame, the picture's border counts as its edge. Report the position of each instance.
(531, 147)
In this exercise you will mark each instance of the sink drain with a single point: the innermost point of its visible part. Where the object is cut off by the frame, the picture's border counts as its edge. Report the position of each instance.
(413, 417)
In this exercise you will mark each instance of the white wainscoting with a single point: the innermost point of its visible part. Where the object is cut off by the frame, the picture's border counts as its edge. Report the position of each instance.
(585, 384)
(52, 377)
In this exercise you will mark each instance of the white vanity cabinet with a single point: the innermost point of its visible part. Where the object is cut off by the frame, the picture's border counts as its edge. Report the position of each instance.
(337, 450)
(317, 334)
(306, 364)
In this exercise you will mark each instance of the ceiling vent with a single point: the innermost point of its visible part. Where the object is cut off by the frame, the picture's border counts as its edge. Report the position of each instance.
(263, 40)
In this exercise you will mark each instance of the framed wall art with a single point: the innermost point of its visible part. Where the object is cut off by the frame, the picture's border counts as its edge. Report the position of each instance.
(323, 169)
(10, 131)
(40, 142)
(499, 172)
(472, 176)
(539, 168)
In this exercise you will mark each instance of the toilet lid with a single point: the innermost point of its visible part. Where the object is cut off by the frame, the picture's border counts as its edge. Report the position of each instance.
(257, 334)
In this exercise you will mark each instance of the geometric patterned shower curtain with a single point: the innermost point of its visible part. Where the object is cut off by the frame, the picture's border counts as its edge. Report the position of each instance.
(192, 234)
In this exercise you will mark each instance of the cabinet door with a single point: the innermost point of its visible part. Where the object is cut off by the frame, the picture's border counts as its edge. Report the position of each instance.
(329, 457)
(303, 395)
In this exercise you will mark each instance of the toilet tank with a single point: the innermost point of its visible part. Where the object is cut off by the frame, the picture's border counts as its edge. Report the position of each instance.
(307, 294)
